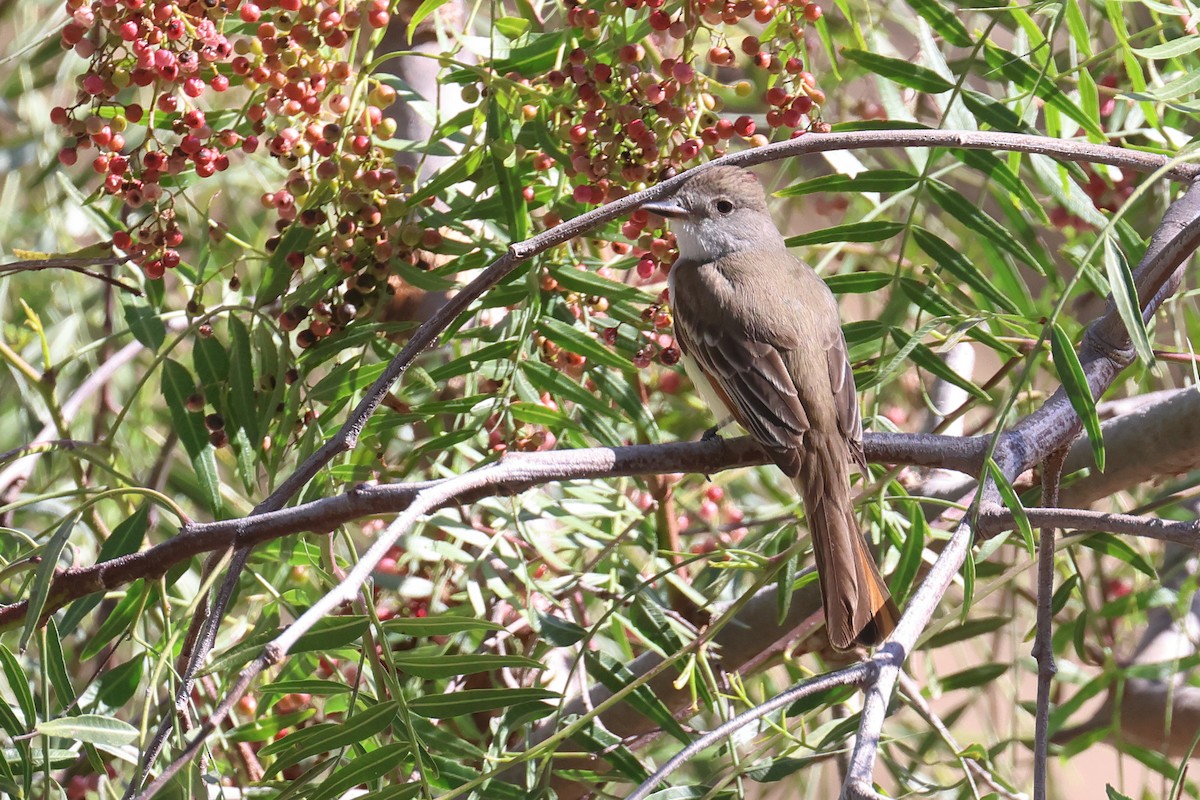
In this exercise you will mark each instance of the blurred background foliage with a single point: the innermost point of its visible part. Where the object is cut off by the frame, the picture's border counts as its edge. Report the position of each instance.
(362, 161)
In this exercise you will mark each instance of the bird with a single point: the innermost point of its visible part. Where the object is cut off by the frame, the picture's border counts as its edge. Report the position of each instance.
(762, 342)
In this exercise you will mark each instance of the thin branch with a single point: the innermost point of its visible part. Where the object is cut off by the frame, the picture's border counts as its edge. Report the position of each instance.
(79, 265)
(853, 675)
(1043, 647)
(1184, 532)
(913, 691)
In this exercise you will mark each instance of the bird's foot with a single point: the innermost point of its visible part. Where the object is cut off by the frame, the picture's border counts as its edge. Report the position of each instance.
(712, 433)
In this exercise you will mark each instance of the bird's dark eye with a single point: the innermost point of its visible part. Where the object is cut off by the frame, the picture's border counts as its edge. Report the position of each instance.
(724, 206)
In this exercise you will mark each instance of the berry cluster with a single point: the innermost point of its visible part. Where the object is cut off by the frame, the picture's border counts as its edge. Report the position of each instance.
(629, 114)
(152, 63)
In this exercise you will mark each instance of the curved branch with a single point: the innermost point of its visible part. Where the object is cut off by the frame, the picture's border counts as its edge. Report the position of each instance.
(321, 516)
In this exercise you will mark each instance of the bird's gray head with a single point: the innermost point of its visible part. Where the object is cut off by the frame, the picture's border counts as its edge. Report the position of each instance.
(720, 211)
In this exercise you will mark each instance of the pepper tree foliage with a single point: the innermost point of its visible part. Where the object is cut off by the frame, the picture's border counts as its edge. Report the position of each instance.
(243, 156)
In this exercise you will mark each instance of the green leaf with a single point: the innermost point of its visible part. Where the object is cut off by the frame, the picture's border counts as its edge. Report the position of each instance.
(363, 769)
(574, 340)
(434, 665)
(211, 361)
(56, 667)
(439, 626)
(925, 358)
(879, 180)
(306, 686)
(1125, 298)
(1013, 503)
(117, 685)
(177, 387)
(474, 701)
(1110, 545)
(331, 736)
(512, 27)
(1080, 32)
(548, 379)
(587, 282)
(905, 73)
(969, 214)
(331, 633)
(1113, 794)
(943, 21)
(953, 261)
(90, 728)
(911, 548)
(1074, 382)
(872, 231)
(560, 632)
(858, 282)
(973, 676)
(536, 57)
(970, 629)
(128, 608)
(243, 393)
(537, 414)
(49, 554)
(1026, 76)
(18, 684)
(424, 10)
(144, 323)
(1172, 49)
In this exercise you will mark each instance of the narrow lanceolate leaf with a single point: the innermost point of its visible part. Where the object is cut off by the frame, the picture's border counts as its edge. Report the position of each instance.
(177, 386)
(472, 701)
(954, 262)
(1121, 550)
(1031, 79)
(969, 214)
(874, 231)
(943, 21)
(858, 282)
(900, 71)
(1125, 297)
(433, 665)
(90, 728)
(1013, 503)
(45, 575)
(1074, 383)
(875, 180)
(364, 769)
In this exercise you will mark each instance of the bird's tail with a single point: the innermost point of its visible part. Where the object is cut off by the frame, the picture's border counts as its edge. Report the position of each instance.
(858, 606)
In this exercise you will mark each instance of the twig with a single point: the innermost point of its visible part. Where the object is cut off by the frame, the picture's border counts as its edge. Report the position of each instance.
(913, 691)
(1184, 532)
(853, 675)
(79, 265)
(1043, 647)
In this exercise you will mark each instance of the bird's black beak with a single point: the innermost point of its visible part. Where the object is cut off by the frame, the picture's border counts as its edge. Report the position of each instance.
(670, 208)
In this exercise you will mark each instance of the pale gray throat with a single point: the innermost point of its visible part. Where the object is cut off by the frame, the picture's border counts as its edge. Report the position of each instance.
(711, 239)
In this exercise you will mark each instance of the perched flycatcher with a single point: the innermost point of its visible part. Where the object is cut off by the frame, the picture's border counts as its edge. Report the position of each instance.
(763, 344)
